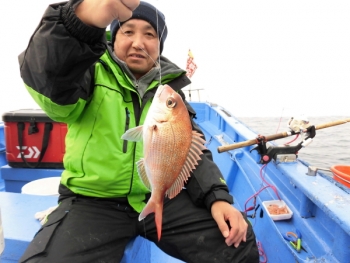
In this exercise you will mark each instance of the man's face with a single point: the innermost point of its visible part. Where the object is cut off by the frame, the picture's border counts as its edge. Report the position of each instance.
(137, 44)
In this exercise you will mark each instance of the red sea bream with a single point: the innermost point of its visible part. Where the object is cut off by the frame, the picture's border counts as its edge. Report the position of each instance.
(171, 150)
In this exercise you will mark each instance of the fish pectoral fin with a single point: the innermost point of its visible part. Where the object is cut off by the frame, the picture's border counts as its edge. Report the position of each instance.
(149, 132)
(197, 146)
(142, 173)
(133, 134)
(151, 129)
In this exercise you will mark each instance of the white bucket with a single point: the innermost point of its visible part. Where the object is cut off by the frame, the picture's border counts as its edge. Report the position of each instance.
(45, 186)
(2, 240)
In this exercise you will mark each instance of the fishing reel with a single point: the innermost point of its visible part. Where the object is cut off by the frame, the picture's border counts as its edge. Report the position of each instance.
(301, 125)
(287, 152)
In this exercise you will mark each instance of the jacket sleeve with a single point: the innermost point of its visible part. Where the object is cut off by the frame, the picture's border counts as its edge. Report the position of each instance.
(206, 184)
(56, 66)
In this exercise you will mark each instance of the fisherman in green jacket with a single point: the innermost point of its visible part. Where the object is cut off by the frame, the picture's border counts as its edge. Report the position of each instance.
(101, 89)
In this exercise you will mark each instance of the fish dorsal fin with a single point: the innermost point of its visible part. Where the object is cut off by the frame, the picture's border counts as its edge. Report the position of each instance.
(193, 156)
(142, 173)
(133, 134)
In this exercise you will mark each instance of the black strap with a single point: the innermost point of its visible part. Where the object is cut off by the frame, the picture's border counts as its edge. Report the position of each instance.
(179, 83)
(45, 142)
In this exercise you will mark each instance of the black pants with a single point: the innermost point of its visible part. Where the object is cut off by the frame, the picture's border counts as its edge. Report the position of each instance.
(97, 230)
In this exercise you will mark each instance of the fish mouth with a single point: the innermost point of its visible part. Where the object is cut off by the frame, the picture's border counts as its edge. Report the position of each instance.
(160, 90)
(163, 92)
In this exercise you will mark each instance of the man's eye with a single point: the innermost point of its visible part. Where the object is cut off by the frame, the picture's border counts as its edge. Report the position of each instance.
(128, 32)
(149, 34)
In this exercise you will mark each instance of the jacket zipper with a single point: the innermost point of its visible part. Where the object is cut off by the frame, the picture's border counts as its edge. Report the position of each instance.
(137, 110)
(127, 122)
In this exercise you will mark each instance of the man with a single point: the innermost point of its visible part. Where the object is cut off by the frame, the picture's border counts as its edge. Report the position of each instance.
(101, 90)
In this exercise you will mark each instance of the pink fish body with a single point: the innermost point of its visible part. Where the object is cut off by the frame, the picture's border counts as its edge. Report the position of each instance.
(171, 150)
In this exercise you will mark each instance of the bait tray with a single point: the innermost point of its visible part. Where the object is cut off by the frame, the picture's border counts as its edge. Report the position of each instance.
(280, 204)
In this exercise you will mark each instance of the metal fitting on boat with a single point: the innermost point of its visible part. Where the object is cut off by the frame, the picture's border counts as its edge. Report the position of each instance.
(312, 170)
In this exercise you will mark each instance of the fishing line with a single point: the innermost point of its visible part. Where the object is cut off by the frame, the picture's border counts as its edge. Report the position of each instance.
(157, 63)
(279, 123)
(160, 39)
(160, 82)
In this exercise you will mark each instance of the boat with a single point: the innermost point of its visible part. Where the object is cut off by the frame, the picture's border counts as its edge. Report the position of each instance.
(317, 206)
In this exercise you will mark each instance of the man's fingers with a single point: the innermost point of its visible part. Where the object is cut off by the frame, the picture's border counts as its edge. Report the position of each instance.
(224, 229)
(131, 4)
(126, 8)
(231, 223)
(239, 238)
(238, 232)
(232, 236)
(101, 13)
(124, 14)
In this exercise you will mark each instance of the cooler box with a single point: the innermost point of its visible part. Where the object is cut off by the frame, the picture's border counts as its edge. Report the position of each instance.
(33, 140)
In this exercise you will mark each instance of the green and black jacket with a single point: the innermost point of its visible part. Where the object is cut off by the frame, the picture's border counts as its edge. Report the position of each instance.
(74, 77)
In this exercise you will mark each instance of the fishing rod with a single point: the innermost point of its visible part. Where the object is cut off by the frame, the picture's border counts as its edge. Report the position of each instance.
(276, 136)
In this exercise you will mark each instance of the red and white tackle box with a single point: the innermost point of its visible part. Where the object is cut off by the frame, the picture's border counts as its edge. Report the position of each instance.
(33, 140)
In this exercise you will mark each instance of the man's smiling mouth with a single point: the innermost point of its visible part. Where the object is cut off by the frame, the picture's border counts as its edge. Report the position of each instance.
(136, 56)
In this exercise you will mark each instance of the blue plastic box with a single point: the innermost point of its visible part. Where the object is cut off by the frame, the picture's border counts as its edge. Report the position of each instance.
(3, 160)
(16, 178)
(2, 135)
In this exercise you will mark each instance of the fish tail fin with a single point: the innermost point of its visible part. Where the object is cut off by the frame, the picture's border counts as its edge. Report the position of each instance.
(158, 210)
(159, 219)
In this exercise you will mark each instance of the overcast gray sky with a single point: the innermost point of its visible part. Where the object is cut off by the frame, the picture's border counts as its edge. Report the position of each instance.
(255, 58)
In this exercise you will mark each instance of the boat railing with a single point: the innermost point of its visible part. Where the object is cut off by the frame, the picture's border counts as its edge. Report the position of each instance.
(196, 94)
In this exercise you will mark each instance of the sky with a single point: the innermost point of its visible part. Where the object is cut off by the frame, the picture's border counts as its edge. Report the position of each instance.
(255, 58)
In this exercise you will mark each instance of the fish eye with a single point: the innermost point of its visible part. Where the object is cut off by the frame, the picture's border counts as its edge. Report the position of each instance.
(171, 102)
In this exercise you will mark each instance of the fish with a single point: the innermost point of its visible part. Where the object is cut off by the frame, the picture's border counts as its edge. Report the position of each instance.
(171, 150)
